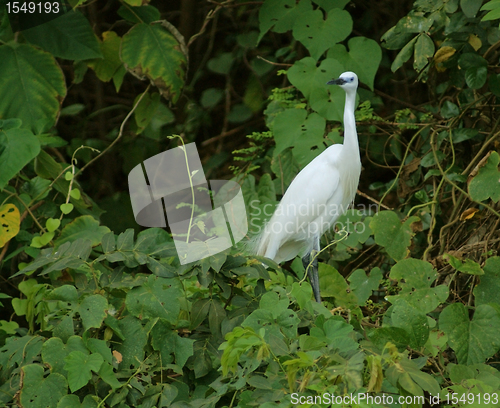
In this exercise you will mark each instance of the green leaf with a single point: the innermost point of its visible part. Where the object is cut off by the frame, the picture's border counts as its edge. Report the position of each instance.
(141, 14)
(135, 339)
(221, 64)
(54, 351)
(38, 391)
(285, 167)
(158, 297)
(474, 340)
(363, 285)
(413, 321)
(84, 227)
(167, 341)
(327, 5)
(92, 310)
(107, 67)
(17, 148)
(327, 101)
(424, 49)
(475, 77)
(318, 34)
(403, 55)
(52, 224)
(361, 49)
(294, 128)
(470, 7)
(151, 51)
(393, 235)
(465, 266)
(489, 287)
(416, 278)
(333, 284)
(145, 110)
(281, 14)
(69, 36)
(486, 183)
(66, 208)
(32, 85)
(80, 367)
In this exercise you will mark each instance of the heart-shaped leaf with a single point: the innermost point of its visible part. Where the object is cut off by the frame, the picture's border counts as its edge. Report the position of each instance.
(52, 224)
(318, 34)
(66, 208)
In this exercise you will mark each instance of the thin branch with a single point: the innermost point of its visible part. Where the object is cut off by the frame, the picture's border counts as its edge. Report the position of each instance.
(120, 133)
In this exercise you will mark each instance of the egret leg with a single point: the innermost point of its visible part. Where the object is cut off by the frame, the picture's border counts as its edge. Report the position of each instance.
(312, 272)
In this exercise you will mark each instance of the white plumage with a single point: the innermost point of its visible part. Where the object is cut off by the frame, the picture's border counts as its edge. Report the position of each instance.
(320, 193)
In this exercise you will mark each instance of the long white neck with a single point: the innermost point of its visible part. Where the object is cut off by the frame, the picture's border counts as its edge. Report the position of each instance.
(351, 145)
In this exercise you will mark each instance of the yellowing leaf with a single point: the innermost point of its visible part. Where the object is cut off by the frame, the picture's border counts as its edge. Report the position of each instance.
(475, 42)
(10, 221)
(442, 55)
(468, 214)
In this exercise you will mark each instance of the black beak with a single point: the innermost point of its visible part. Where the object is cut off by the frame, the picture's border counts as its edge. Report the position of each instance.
(338, 81)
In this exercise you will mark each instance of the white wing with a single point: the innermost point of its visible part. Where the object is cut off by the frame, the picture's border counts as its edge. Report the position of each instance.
(306, 210)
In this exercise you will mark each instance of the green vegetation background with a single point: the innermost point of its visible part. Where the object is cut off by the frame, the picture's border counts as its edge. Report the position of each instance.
(98, 312)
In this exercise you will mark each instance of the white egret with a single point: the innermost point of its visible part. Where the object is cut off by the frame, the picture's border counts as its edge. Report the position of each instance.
(320, 193)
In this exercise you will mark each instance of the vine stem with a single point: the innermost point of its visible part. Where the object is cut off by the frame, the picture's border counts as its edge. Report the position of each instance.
(120, 133)
(402, 162)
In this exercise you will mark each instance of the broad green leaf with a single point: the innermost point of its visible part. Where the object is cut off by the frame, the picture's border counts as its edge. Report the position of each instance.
(404, 55)
(38, 391)
(361, 49)
(281, 14)
(17, 148)
(489, 286)
(294, 128)
(465, 266)
(92, 310)
(141, 14)
(221, 64)
(475, 77)
(413, 320)
(318, 34)
(326, 100)
(10, 222)
(80, 366)
(474, 340)
(285, 167)
(470, 7)
(145, 110)
(135, 339)
(151, 51)
(363, 285)
(109, 376)
(392, 234)
(19, 351)
(424, 50)
(327, 5)
(32, 85)
(69, 36)
(54, 351)
(84, 227)
(110, 64)
(333, 284)
(416, 278)
(166, 340)
(395, 335)
(486, 183)
(158, 297)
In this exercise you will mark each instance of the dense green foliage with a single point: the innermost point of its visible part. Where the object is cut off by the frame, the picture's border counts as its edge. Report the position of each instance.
(98, 313)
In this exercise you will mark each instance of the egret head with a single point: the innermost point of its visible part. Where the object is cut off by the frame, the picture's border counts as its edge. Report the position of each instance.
(348, 81)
